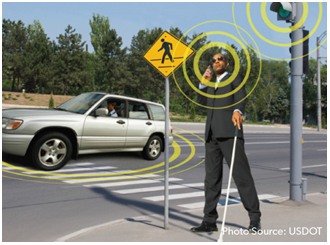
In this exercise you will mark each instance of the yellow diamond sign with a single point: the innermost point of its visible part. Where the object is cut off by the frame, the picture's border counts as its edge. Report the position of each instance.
(168, 53)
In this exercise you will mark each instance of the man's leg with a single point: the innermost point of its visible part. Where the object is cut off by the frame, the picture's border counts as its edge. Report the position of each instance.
(213, 179)
(242, 176)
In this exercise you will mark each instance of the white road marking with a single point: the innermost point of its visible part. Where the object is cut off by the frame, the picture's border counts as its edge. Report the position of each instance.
(181, 196)
(125, 177)
(133, 182)
(222, 201)
(87, 174)
(80, 164)
(158, 188)
(72, 170)
(312, 166)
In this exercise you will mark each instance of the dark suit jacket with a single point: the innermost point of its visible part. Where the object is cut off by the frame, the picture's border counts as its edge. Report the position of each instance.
(220, 119)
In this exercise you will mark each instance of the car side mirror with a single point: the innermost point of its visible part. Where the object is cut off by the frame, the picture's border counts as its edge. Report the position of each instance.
(101, 112)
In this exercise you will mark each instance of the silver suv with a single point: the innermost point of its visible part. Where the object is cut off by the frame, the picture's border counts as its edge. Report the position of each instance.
(82, 125)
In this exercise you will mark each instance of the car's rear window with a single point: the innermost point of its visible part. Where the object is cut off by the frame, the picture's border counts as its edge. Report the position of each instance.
(157, 112)
(137, 110)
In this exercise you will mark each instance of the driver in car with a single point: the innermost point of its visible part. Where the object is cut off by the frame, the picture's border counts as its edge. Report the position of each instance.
(111, 107)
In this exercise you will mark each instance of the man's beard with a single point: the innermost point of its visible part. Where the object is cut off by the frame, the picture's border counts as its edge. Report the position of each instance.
(221, 71)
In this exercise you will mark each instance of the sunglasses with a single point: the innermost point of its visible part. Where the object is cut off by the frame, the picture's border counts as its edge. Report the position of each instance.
(218, 58)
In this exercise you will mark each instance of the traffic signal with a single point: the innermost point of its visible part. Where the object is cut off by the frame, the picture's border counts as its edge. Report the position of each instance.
(305, 52)
(285, 10)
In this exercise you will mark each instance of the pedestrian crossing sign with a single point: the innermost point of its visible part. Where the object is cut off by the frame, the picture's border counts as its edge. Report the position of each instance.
(168, 53)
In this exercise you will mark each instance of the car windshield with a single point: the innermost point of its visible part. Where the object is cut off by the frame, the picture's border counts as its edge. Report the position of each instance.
(81, 103)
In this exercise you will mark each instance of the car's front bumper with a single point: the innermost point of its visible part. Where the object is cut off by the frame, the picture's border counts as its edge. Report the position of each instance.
(15, 144)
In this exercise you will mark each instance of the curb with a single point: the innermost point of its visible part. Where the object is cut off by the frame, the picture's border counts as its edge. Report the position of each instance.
(278, 200)
(88, 229)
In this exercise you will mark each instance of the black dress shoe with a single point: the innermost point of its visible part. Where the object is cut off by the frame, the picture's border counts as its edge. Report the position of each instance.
(255, 226)
(205, 227)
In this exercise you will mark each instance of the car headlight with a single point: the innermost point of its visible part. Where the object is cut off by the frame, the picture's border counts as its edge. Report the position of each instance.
(11, 123)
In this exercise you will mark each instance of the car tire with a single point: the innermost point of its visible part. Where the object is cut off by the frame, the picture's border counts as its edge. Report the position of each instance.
(51, 151)
(153, 148)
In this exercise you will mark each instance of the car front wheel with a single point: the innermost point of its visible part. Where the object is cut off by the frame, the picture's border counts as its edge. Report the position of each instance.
(51, 151)
(153, 148)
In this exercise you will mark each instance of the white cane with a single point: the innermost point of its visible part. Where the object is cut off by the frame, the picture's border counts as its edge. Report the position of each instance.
(227, 196)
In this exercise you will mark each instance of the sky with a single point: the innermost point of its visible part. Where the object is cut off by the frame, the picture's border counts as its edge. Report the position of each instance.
(127, 18)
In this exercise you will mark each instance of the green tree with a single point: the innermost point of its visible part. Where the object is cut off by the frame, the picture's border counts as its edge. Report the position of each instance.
(143, 76)
(70, 63)
(37, 58)
(107, 45)
(14, 37)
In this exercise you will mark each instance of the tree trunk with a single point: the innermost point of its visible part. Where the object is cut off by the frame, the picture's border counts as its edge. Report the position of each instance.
(188, 102)
(13, 84)
(17, 85)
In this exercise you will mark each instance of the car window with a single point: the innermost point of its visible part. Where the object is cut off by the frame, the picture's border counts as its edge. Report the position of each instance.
(137, 110)
(119, 107)
(81, 103)
(157, 112)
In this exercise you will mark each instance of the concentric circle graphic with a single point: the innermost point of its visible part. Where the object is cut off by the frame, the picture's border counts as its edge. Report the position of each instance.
(230, 79)
(278, 29)
(286, 29)
(28, 173)
(202, 50)
(197, 72)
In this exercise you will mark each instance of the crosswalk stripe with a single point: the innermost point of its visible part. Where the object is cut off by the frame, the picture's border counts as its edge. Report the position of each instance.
(158, 188)
(133, 182)
(111, 178)
(89, 174)
(80, 164)
(222, 202)
(73, 170)
(182, 195)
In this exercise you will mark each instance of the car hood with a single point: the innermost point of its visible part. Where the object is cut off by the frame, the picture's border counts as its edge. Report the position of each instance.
(32, 112)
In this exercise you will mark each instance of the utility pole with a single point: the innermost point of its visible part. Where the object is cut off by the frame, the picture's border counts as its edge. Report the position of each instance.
(318, 86)
(296, 111)
(291, 12)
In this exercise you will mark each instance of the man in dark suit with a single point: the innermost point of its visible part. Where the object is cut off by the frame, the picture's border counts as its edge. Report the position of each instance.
(219, 137)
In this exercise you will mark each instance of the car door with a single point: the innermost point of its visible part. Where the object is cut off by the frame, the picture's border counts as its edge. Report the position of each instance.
(140, 127)
(105, 132)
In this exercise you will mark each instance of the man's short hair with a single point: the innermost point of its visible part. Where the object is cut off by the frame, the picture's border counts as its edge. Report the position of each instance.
(112, 103)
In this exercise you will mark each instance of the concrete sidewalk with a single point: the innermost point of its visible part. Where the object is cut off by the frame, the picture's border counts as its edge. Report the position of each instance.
(282, 221)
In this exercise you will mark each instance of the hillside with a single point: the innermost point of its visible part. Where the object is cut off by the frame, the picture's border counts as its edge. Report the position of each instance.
(32, 99)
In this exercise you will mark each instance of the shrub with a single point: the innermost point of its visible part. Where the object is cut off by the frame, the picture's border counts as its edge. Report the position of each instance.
(323, 122)
(192, 113)
(51, 101)
(254, 115)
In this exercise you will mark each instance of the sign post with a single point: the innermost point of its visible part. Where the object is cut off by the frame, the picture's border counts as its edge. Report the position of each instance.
(166, 55)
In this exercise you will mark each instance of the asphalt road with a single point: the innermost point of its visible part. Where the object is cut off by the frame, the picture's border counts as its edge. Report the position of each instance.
(41, 207)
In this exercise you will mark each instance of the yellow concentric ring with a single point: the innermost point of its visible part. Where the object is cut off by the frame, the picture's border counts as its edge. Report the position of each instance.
(286, 29)
(193, 87)
(280, 44)
(232, 52)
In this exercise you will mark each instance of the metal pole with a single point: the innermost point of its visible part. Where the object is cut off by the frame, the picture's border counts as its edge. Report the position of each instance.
(296, 111)
(166, 149)
(318, 86)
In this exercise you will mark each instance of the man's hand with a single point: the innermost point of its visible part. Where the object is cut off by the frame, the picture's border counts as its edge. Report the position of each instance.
(237, 119)
(207, 75)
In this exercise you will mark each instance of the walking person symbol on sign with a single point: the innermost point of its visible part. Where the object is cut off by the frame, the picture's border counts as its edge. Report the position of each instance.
(167, 52)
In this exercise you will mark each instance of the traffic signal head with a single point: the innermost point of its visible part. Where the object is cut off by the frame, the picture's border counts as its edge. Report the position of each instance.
(284, 10)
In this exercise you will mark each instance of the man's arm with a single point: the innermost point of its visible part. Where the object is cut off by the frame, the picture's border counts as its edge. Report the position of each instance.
(202, 100)
(237, 117)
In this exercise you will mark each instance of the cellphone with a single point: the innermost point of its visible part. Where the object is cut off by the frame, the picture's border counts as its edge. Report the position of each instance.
(211, 69)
